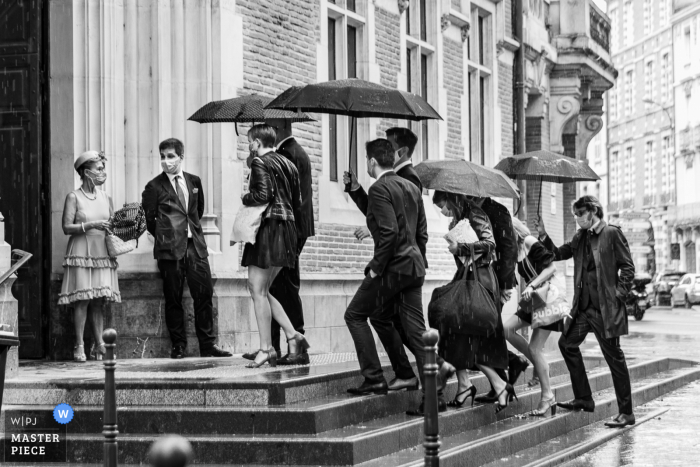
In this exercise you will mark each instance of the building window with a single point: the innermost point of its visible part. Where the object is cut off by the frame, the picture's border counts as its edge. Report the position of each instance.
(664, 78)
(663, 13)
(346, 28)
(649, 169)
(629, 176)
(629, 93)
(649, 83)
(647, 17)
(480, 82)
(613, 101)
(421, 69)
(614, 30)
(628, 13)
(614, 177)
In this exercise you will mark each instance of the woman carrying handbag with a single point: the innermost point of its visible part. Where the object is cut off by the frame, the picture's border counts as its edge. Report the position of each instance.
(536, 267)
(474, 348)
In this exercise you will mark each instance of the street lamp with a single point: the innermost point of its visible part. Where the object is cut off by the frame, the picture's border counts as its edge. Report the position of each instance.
(665, 109)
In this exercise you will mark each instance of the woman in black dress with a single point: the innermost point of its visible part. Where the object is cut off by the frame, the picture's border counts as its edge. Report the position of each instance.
(471, 349)
(274, 181)
(535, 266)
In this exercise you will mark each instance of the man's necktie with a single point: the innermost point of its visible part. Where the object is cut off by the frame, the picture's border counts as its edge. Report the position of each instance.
(180, 193)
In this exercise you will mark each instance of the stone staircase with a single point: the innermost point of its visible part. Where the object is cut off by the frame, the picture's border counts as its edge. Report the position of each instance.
(302, 416)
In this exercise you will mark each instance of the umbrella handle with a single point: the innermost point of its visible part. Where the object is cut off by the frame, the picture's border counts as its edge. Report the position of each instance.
(348, 186)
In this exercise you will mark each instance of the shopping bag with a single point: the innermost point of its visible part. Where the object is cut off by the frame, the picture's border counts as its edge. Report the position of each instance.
(547, 304)
(247, 224)
(463, 306)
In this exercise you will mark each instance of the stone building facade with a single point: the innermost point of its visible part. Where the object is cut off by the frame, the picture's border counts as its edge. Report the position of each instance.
(684, 218)
(126, 74)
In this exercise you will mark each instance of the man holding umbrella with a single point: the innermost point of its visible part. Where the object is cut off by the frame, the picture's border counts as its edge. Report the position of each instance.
(603, 274)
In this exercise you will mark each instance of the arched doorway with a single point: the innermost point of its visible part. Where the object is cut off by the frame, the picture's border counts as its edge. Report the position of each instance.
(690, 257)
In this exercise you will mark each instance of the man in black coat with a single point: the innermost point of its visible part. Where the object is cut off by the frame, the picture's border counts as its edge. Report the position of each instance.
(174, 204)
(395, 275)
(285, 287)
(603, 275)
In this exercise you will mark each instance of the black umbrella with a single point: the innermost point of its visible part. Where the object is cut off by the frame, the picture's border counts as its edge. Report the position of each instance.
(546, 166)
(244, 109)
(355, 98)
(466, 178)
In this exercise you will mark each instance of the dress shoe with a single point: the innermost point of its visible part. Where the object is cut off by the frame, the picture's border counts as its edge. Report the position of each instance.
(419, 412)
(445, 372)
(622, 420)
(398, 384)
(488, 398)
(578, 404)
(295, 359)
(178, 352)
(369, 388)
(215, 351)
(516, 368)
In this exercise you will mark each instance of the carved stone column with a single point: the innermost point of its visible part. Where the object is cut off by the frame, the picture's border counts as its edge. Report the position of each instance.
(8, 304)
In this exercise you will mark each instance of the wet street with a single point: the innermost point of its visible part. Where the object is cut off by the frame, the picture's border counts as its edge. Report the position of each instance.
(673, 438)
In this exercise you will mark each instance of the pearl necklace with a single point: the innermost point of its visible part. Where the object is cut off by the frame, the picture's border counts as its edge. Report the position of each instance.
(91, 199)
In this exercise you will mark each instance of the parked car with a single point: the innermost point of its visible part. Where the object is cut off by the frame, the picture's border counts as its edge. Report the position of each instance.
(662, 285)
(687, 291)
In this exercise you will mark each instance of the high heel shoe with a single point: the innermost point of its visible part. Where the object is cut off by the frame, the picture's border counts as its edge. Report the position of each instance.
(459, 403)
(511, 393)
(302, 344)
(300, 357)
(271, 359)
(79, 353)
(544, 406)
(100, 351)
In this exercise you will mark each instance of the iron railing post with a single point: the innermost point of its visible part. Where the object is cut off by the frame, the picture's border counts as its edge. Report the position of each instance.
(110, 430)
(430, 401)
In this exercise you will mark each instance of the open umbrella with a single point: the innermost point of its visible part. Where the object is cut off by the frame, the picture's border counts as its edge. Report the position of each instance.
(355, 98)
(546, 166)
(244, 109)
(466, 178)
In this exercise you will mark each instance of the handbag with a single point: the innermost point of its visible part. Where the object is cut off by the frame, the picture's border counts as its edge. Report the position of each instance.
(463, 305)
(129, 222)
(247, 224)
(116, 246)
(547, 303)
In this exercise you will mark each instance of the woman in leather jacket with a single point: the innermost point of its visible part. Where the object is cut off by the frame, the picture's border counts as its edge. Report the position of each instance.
(274, 181)
(470, 349)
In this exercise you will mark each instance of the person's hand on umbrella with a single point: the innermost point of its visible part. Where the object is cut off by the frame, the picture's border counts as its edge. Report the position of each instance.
(541, 231)
(361, 233)
(351, 178)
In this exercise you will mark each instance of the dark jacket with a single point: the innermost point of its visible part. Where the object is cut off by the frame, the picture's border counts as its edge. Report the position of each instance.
(486, 246)
(407, 172)
(506, 240)
(295, 153)
(275, 180)
(396, 219)
(167, 220)
(611, 255)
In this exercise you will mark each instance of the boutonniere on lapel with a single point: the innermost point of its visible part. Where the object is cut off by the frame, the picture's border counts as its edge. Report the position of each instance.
(195, 190)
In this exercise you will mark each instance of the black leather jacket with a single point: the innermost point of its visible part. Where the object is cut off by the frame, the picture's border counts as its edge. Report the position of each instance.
(482, 227)
(274, 180)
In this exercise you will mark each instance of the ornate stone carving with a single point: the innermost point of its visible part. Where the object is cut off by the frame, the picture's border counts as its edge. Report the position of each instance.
(594, 123)
(403, 5)
(465, 32)
(688, 88)
(566, 104)
(445, 22)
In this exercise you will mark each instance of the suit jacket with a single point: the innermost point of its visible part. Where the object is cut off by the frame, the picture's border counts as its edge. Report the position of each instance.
(611, 255)
(396, 218)
(295, 153)
(506, 240)
(167, 220)
(407, 172)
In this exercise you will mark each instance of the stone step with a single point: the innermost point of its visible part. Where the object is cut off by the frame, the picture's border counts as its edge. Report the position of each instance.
(505, 438)
(568, 446)
(382, 441)
(306, 417)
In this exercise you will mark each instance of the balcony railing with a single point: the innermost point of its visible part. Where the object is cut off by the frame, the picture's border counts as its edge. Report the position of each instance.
(628, 203)
(649, 200)
(667, 198)
(600, 28)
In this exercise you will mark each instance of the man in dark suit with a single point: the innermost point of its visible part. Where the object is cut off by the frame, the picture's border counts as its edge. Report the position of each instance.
(603, 275)
(285, 287)
(395, 275)
(174, 205)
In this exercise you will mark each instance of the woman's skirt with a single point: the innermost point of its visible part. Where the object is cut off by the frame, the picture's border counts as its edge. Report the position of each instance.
(88, 271)
(275, 245)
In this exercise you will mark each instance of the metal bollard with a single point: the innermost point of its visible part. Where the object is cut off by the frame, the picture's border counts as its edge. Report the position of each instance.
(430, 401)
(110, 430)
(170, 451)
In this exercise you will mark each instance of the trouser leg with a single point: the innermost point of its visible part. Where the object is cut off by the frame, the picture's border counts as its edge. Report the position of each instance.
(569, 344)
(199, 282)
(173, 274)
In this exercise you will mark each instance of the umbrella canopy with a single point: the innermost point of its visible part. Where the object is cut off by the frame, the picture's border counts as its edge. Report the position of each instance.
(244, 109)
(466, 178)
(355, 98)
(546, 166)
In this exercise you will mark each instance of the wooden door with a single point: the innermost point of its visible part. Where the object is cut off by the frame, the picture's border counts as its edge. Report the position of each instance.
(23, 172)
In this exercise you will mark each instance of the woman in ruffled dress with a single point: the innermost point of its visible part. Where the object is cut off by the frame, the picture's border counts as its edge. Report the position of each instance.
(470, 349)
(274, 181)
(535, 266)
(90, 275)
